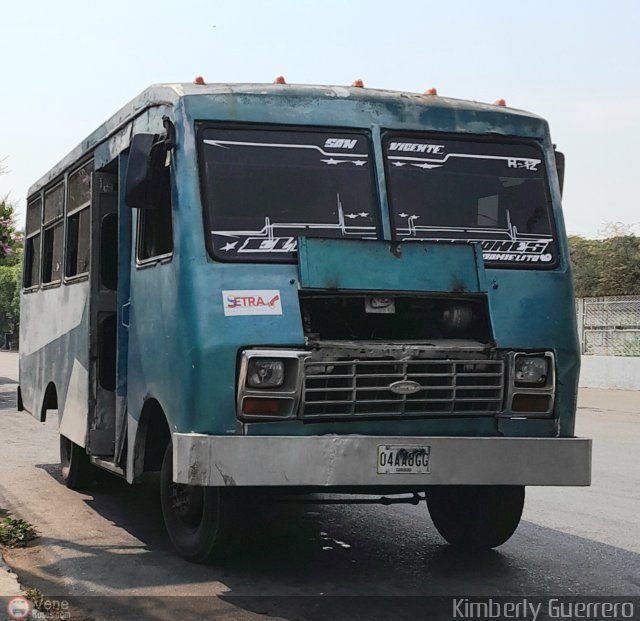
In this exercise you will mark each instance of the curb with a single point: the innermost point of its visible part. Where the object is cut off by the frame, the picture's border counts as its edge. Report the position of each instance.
(9, 585)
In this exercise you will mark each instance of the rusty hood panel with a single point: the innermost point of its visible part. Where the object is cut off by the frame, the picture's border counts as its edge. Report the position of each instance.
(390, 266)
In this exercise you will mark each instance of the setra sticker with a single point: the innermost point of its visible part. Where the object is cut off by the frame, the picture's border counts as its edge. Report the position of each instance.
(252, 302)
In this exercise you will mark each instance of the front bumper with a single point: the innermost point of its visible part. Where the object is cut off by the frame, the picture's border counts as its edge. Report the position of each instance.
(330, 460)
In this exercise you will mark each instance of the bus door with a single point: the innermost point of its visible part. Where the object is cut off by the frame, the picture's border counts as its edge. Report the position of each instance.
(103, 316)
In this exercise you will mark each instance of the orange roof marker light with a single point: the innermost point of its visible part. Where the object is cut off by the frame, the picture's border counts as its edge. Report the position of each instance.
(431, 91)
(199, 80)
(358, 83)
(500, 102)
(279, 80)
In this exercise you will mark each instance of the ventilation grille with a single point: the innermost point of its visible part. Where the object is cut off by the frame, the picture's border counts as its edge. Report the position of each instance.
(361, 388)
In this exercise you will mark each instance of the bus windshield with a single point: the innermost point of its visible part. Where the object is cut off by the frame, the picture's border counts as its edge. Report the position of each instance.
(493, 193)
(263, 188)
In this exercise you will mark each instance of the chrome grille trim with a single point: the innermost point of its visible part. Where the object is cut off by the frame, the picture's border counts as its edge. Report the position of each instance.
(361, 388)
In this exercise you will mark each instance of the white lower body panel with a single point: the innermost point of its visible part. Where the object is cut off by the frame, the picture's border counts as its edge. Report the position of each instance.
(331, 460)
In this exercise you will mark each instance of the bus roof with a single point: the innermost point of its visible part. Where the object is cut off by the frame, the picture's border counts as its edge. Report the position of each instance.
(168, 95)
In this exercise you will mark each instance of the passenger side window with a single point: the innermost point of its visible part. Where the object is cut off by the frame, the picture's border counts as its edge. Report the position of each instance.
(155, 226)
(79, 221)
(53, 235)
(31, 275)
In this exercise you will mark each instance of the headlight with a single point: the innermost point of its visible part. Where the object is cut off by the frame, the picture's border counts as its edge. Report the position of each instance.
(456, 318)
(265, 373)
(531, 371)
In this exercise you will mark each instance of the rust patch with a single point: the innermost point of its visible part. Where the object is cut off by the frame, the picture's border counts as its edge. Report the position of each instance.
(458, 287)
(395, 250)
(194, 471)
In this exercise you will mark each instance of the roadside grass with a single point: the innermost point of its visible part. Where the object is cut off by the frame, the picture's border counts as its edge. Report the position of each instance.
(15, 533)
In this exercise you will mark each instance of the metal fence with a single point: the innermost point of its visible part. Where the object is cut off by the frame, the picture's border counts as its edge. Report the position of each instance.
(609, 326)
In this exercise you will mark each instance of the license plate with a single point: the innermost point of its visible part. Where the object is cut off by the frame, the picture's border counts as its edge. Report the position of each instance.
(403, 459)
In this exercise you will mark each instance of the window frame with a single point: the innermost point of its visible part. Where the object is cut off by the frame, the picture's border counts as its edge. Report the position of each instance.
(76, 210)
(202, 125)
(29, 236)
(51, 224)
(166, 257)
(33, 287)
(387, 134)
(51, 284)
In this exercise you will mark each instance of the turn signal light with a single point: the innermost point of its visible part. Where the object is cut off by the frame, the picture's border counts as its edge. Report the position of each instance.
(431, 91)
(531, 403)
(358, 84)
(279, 80)
(252, 405)
(500, 102)
(198, 80)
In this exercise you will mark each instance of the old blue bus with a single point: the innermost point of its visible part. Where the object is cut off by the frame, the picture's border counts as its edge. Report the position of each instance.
(308, 289)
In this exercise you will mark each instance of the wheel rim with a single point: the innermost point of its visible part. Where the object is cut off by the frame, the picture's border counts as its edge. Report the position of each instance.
(187, 504)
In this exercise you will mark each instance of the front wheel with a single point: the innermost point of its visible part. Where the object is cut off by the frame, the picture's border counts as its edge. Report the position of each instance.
(76, 469)
(198, 519)
(474, 516)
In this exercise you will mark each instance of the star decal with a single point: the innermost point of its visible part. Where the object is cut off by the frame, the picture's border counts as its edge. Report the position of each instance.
(359, 162)
(404, 215)
(351, 216)
(363, 214)
(332, 162)
(398, 164)
(229, 246)
(426, 165)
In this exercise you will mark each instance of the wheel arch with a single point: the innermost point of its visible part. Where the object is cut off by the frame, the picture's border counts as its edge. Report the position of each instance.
(49, 401)
(152, 436)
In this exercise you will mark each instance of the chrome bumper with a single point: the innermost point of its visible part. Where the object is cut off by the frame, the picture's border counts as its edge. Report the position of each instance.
(330, 460)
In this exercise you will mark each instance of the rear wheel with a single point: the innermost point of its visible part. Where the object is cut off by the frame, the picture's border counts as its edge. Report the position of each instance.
(198, 519)
(474, 516)
(75, 467)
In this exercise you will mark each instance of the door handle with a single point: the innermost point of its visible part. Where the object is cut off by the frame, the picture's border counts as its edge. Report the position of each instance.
(124, 314)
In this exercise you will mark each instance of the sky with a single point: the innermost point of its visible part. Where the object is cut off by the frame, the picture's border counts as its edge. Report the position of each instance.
(67, 66)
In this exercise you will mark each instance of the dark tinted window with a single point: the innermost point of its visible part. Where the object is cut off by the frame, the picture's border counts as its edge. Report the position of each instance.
(155, 228)
(264, 188)
(464, 190)
(32, 261)
(109, 251)
(52, 254)
(78, 236)
(54, 203)
(79, 192)
(34, 215)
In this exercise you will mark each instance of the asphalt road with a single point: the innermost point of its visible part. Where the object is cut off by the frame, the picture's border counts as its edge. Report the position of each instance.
(111, 541)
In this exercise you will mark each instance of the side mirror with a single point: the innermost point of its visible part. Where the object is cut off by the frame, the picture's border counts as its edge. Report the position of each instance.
(560, 169)
(147, 154)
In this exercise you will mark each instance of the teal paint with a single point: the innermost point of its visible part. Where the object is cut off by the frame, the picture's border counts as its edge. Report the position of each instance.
(183, 350)
(390, 266)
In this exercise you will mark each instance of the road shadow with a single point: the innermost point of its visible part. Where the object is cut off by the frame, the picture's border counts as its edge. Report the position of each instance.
(322, 562)
(8, 395)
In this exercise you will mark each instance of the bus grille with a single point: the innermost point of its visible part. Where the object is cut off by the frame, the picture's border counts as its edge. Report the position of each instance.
(361, 388)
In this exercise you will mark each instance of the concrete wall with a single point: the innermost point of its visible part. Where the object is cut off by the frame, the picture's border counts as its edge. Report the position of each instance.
(621, 372)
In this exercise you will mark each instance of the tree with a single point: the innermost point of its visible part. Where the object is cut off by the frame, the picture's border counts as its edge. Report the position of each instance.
(10, 269)
(609, 266)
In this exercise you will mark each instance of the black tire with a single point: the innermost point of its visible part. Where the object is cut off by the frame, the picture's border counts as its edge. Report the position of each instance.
(198, 519)
(76, 469)
(475, 516)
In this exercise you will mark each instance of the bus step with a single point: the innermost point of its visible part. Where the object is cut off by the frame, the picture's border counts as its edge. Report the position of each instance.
(107, 465)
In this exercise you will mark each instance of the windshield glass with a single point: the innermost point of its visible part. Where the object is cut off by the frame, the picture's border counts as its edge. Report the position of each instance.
(464, 190)
(263, 188)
